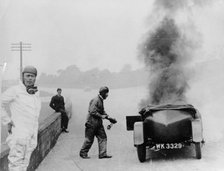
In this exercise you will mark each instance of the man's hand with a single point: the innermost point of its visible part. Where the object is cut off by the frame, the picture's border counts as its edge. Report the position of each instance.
(112, 122)
(104, 116)
(10, 125)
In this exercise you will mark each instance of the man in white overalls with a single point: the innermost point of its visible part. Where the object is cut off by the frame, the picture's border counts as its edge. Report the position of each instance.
(24, 104)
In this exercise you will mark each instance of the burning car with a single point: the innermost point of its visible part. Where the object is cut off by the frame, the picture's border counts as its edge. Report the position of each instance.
(166, 127)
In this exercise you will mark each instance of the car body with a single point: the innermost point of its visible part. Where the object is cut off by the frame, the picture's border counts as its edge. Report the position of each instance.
(166, 127)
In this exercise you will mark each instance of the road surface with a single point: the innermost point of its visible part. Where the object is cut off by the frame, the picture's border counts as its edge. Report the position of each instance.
(65, 155)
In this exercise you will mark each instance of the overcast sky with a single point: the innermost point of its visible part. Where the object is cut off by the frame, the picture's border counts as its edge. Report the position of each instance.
(90, 33)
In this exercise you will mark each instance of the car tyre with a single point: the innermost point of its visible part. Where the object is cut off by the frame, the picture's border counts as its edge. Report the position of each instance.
(198, 150)
(141, 150)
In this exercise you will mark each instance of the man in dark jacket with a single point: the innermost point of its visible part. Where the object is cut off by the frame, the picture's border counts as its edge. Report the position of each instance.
(94, 126)
(57, 103)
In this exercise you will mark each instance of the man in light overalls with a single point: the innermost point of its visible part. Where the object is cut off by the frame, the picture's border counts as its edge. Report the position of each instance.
(24, 104)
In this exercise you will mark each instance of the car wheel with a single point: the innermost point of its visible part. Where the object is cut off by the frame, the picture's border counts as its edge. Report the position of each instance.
(141, 150)
(198, 150)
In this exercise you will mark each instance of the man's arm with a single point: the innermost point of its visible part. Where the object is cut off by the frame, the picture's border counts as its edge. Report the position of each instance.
(52, 105)
(7, 97)
(94, 110)
(63, 101)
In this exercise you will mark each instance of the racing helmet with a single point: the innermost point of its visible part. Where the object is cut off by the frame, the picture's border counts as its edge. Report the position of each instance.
(30, 69)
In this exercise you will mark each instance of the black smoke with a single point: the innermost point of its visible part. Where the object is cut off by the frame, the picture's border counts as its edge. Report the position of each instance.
(175, 5)
(168, 48)
(168, 82)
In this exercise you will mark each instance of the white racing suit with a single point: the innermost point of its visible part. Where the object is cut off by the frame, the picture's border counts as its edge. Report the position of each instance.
(25, 109)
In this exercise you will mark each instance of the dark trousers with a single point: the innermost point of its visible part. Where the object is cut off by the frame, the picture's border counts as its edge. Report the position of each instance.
(64, 119)
(94, 129)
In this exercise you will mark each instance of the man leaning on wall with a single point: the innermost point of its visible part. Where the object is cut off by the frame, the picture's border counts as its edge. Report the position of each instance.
(24, 103)
(58, 104)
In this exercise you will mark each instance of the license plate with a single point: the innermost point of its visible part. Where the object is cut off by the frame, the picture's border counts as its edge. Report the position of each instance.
(169, 146)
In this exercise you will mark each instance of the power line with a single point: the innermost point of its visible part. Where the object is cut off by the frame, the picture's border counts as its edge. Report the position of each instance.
(21, 47)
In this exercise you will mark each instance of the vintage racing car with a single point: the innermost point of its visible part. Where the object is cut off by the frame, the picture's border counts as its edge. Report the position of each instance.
(166, 127)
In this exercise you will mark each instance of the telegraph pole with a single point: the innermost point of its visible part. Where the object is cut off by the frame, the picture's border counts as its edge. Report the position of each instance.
(21, 47)
(2, 70)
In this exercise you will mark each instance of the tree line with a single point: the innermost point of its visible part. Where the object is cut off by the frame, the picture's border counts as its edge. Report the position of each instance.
(73, 77)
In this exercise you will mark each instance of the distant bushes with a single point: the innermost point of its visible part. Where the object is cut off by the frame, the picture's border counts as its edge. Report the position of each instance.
(72, 77)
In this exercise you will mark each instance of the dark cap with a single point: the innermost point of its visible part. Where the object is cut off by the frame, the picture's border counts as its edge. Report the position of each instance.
(30, 69)
(104, 90)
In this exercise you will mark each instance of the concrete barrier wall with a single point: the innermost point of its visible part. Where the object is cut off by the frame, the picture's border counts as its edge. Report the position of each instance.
(49, 131)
